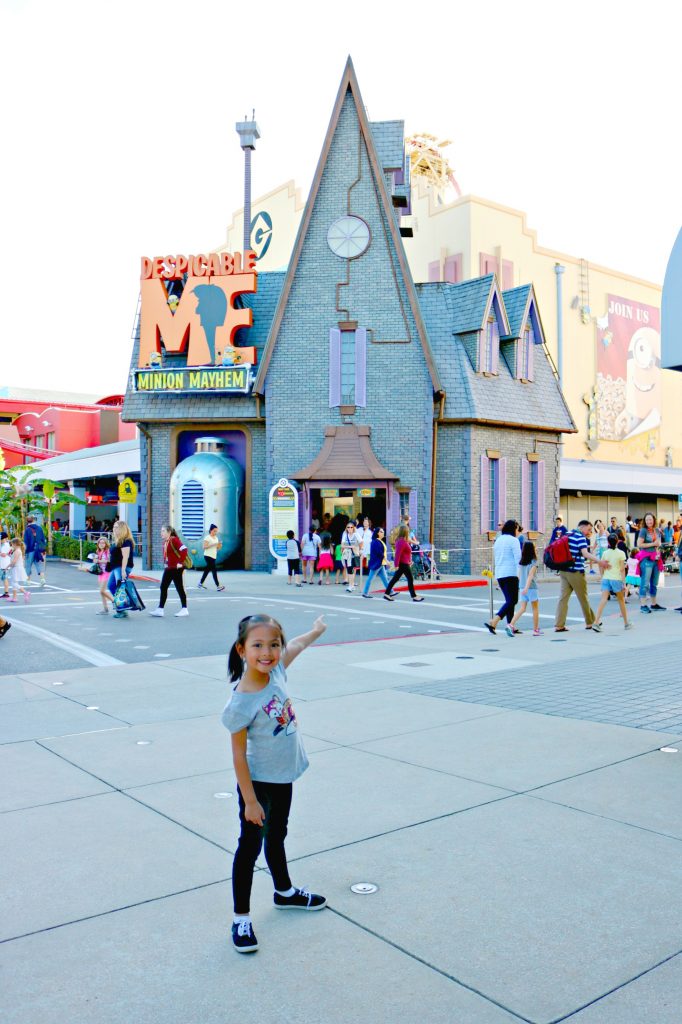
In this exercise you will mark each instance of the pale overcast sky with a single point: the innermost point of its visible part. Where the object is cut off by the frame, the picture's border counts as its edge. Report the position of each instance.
(118, 137)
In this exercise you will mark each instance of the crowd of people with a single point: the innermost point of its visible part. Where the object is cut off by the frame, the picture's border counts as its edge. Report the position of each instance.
(628, 558)
(352, 549)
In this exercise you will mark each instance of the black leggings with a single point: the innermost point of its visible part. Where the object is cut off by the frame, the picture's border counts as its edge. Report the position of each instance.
(172, 576)
(402, 570)
(210, 568)
(509, 585)
(275, 799)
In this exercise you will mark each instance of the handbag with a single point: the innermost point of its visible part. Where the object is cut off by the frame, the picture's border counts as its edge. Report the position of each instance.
(136, 602)
(122, 601)
(95, 569)
(188, 563)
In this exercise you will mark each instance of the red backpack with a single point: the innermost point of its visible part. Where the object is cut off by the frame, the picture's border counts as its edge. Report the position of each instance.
(557, 555)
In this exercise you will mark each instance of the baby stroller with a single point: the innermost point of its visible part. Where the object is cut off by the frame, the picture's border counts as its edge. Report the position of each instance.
(423, 565)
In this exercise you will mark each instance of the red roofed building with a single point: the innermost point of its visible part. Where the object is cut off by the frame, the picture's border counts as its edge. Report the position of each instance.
(37, 425)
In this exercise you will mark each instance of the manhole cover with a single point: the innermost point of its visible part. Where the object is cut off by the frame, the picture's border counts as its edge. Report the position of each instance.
(364, 888)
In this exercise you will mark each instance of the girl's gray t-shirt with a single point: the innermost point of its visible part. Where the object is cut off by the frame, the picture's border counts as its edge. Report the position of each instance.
(274, 748)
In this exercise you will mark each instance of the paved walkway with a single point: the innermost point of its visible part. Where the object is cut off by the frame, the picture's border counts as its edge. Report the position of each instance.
(525, 849)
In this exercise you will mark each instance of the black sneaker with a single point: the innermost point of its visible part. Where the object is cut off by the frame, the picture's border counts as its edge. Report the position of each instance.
(3, 629)
(388, 597)
(658, 608)
(302, 899)
(243, 937)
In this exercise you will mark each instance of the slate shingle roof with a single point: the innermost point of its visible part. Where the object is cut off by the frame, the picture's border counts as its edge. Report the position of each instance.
(469, 301)
(389, 142)
(475, 396)
(263, 303)
(515, 302)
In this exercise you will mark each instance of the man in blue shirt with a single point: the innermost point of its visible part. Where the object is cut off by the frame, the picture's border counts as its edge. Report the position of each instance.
(36, 546)
(573, 579)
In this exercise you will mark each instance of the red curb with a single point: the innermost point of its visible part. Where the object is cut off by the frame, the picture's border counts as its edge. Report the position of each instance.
(440, 586)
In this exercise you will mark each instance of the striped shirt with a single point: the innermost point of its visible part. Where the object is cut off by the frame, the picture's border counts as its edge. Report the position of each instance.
(578, 544)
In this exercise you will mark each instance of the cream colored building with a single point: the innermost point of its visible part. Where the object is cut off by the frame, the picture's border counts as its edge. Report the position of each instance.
(602, 328)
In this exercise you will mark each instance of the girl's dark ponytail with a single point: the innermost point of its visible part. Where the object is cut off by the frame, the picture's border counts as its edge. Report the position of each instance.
(235, 665)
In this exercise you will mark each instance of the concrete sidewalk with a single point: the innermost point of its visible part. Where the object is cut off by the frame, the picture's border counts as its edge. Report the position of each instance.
(527, 861)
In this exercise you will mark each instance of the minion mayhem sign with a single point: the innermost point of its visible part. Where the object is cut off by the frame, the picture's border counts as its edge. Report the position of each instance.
(187, 309)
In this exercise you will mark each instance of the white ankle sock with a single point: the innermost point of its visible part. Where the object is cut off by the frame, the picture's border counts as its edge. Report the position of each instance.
(238, 918)
(289, 892)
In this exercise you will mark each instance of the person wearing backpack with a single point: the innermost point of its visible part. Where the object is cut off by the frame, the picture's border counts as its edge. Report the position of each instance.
(573, 577)
(174, 558)
(559, 530)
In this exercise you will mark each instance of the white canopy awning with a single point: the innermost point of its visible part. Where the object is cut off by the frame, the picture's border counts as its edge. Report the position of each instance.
(618, 478)
(106, 460)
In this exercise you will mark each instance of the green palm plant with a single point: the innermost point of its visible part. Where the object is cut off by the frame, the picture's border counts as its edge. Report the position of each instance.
(19, 498)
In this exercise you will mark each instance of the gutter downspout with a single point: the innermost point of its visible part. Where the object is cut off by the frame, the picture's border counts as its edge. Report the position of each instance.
(434, 455)
(559, 270)
(148, 492)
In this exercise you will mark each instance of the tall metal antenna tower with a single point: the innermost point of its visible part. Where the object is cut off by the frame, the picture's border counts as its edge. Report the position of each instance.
(248, 133)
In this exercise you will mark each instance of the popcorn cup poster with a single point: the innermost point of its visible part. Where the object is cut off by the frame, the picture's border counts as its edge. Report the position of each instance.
(628, 369)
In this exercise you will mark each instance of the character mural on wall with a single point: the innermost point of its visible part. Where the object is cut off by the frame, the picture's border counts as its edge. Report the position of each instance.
(628, 369)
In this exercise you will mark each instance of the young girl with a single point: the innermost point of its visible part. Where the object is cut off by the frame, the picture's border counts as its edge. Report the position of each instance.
(632, 578)
(325, 563)
(174, 555)
(268, 757)
(293, 559)
(339, 566)
(17, 572)
(528, 570)
(102, 559)
(612, 582)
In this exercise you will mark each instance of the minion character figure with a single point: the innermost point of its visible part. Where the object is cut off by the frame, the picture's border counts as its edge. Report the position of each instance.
(173, 301)
(643, 381)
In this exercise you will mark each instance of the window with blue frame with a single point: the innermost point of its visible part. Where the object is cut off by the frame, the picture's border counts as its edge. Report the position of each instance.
(493, 493)
(347, 367)
(491, 346)
(525, 363)
(533, 502)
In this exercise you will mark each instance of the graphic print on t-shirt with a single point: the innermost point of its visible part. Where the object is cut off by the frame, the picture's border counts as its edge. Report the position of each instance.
(283, 714)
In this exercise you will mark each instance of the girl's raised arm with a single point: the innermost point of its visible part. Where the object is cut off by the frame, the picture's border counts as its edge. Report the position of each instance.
(299, 643)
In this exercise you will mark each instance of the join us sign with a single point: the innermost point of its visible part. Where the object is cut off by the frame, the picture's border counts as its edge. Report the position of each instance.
(282, 516)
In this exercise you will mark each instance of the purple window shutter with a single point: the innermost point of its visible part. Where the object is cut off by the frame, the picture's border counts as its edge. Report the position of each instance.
(434, 270)
(507, 275)
(392, 509)
(541, 496)
(495, 357)
(414, 523)
(485, 487)
(453, 269)
(361, 367)
(334, 368)
(487, 264)
(502, 490)
(530, 356)
(525, 494)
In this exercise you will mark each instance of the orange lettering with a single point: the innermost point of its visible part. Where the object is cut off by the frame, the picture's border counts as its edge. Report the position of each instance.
(237, 263)
(251, 260)
(157, 268)
(168, 268)
(213, 264)
(226, 263)
(146, 268)
(180, 265)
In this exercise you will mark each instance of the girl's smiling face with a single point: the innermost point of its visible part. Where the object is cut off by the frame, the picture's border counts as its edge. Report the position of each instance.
(261, 651)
